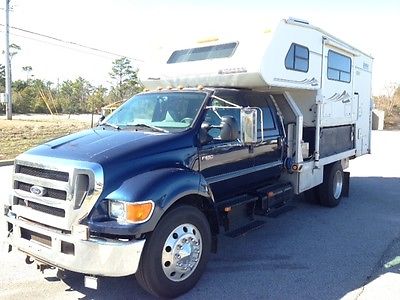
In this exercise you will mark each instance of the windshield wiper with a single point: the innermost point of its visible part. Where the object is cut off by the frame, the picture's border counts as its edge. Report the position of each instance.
(150, 126)
(111, 125)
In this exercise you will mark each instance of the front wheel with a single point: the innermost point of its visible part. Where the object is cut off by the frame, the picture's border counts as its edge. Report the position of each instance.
(176, 253)
(330, 191)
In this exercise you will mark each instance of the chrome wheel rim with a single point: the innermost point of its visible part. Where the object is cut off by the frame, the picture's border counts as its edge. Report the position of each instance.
(181, 252)
(337, 184)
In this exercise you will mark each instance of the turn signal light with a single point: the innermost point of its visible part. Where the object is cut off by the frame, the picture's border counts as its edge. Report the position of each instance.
(139, 212)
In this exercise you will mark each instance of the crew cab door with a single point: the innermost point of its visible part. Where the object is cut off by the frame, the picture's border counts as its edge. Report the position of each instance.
(267, 152)
(226, 165)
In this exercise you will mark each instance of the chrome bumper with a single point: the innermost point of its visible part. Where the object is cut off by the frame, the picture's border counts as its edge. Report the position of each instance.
(88, 255)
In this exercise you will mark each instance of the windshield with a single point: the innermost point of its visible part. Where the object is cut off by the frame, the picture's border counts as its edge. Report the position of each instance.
(172, 111)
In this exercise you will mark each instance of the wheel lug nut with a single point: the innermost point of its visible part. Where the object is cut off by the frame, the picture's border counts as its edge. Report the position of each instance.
(184, 241)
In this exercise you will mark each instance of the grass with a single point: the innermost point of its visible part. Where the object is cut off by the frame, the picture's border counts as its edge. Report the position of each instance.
(17, 136)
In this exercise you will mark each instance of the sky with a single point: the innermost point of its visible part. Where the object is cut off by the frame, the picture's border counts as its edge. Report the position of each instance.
(139, 29)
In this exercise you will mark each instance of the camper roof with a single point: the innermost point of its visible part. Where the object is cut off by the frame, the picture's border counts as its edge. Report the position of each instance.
(251, 61)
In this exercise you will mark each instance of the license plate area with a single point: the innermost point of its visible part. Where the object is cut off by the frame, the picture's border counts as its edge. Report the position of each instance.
(38, 238)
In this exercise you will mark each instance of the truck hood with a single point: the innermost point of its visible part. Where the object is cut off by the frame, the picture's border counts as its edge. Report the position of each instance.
(100, 145)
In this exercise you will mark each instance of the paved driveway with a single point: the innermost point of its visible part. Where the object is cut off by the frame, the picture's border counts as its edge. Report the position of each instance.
(308, 253)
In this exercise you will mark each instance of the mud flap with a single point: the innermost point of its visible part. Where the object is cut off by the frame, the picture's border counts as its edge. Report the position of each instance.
(346, 184)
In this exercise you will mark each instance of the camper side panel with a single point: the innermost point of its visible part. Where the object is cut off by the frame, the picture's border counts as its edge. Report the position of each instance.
(293, 58)
(362, 90)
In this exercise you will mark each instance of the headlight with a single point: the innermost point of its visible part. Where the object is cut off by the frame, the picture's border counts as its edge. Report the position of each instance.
(117, 209)
(126, 212)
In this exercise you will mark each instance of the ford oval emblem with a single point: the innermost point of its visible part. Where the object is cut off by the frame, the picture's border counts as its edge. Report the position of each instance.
(38, 190)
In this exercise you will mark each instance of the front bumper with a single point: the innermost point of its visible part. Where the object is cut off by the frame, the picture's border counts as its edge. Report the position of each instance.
(74, 251)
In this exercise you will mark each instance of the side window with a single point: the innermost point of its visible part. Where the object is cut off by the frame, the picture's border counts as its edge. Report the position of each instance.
(297, 58)
(339, 67)
(213, 117)
(267, 118)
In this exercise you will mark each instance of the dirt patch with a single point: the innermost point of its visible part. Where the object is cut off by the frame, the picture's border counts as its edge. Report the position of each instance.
(392, 122)
(17, 136)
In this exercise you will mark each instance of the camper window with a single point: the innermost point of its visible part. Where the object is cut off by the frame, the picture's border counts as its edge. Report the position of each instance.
(339, 67)
(297, 58)
(202, 53)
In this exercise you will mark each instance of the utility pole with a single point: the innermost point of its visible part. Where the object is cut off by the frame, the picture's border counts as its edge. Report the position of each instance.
(8, 63)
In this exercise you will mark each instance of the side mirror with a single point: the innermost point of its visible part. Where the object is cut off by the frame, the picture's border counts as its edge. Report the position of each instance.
(101, 119)
(204, 137)
(248, 118)
(229, 129)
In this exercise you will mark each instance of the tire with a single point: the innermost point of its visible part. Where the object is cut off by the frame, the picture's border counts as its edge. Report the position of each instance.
(182, 239)
(330, 191)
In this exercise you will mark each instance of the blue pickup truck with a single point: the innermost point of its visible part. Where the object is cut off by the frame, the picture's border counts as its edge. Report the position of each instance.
(148, 190)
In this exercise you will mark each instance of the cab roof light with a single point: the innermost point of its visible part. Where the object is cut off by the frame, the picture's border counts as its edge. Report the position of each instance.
(208, 40)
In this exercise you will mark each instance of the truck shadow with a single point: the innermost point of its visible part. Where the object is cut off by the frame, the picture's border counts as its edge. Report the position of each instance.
(108, 288)
(311, 252)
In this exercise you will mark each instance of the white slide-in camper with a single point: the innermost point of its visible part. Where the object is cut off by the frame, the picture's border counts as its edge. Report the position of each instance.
(320, 84)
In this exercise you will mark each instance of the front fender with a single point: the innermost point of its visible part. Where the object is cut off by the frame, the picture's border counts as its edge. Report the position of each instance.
(163, 186)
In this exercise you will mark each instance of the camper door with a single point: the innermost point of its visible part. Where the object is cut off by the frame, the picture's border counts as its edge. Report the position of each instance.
(339, 104)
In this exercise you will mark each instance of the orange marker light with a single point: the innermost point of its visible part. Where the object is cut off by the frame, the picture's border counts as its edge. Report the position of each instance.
(208, 40)
(139, 212)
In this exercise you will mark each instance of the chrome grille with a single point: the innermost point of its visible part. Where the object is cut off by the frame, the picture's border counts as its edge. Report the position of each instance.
(42, 208)
(67, 190)
(52, 193)
(42, 173)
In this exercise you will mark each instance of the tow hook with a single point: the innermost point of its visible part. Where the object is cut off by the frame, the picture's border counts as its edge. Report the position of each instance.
(29, 260)
(42, 267)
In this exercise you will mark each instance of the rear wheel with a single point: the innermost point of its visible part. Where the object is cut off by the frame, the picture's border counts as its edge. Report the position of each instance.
(330, 191)
(176, 253)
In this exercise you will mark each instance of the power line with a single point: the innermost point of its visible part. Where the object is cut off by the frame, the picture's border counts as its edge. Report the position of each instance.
(72, 43)
(58, 45)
